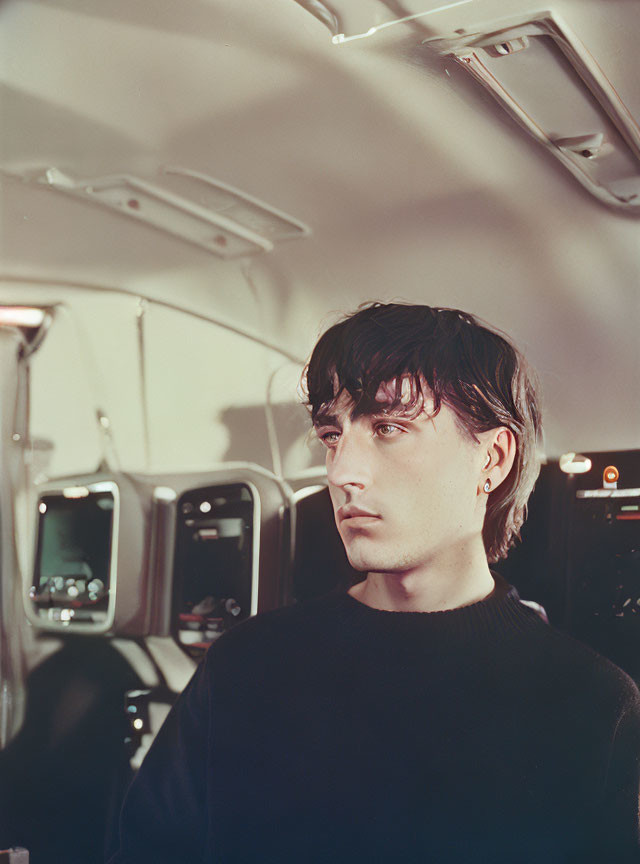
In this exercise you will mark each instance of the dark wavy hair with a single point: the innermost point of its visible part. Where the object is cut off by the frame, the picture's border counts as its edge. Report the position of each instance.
(469, 366)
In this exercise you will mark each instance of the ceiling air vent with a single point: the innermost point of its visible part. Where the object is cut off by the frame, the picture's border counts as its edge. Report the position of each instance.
(545, 78)
(191, 206)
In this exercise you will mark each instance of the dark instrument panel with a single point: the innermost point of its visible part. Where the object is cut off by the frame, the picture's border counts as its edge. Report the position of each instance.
(215, 576)
(604, 574)
(73, 564)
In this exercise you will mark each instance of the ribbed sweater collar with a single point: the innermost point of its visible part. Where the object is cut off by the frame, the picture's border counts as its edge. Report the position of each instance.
(497, 617)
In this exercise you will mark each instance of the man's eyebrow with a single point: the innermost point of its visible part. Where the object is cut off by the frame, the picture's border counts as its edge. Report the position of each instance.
(325, 418)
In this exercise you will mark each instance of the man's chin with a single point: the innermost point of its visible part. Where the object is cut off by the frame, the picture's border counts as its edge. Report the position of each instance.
(358, 562)
(359, 566)
(367, 563)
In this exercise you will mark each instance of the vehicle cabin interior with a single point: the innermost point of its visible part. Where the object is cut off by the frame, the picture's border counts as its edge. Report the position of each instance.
(190, 194)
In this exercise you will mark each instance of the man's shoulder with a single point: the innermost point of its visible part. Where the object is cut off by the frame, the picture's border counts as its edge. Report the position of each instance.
(279, 629)
(570, 659)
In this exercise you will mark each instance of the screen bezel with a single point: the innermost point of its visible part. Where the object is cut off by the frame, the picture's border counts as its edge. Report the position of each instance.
(256, 523)
(39, 617)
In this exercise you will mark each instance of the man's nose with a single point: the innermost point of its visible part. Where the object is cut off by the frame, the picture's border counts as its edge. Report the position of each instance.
(348, 465)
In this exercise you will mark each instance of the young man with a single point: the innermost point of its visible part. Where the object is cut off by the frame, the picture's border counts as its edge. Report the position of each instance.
(426, 715)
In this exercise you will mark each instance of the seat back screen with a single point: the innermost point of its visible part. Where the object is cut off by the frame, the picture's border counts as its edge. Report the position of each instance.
(214, 563)
(73, 557)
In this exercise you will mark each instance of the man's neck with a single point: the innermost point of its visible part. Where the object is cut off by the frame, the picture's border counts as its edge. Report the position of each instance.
(427, 589)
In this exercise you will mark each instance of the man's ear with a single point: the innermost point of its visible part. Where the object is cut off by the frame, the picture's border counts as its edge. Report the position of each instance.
(499, 452)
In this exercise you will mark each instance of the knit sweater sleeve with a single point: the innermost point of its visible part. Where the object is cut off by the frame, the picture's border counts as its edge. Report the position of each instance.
(163, 818)
(619, 828)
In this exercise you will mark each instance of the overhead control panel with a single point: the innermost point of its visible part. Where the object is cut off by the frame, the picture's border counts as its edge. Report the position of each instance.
(545, 78)
(540, 66)
(186, 204)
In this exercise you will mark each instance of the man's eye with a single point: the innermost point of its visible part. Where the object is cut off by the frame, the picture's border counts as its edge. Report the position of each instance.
(329, 437)
(387, 430)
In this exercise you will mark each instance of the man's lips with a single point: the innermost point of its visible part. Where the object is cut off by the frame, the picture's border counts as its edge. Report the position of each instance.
(348, 511)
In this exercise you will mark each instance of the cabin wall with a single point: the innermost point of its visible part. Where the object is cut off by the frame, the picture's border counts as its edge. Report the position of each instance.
(149, 388)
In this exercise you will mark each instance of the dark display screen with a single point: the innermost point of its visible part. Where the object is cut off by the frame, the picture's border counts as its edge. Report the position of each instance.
(73, 559)
(213, 566)
(604, 607)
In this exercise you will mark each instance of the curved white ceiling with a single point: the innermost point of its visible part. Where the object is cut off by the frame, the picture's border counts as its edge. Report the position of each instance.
(414, 182)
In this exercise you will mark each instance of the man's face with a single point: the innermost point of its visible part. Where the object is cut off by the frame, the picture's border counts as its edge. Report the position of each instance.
(404, 492)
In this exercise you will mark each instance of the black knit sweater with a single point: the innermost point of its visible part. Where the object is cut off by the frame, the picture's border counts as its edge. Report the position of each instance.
(333, 732)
